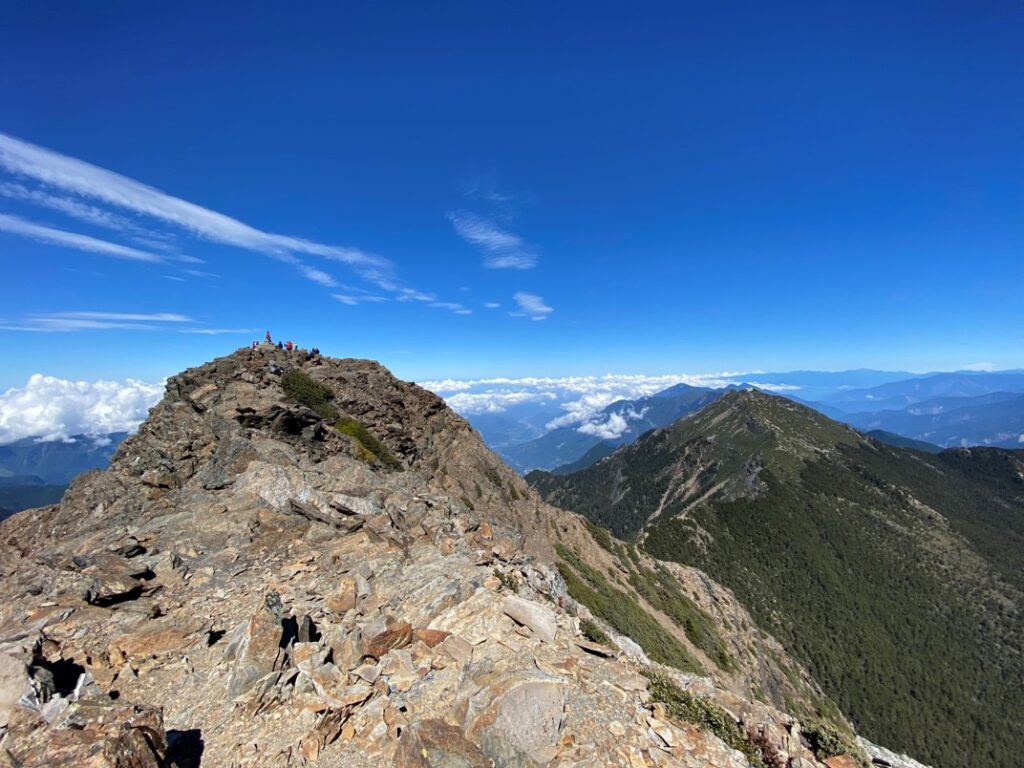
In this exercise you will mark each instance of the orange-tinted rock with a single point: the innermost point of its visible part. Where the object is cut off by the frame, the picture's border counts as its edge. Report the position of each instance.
(343, 598)
(397, 635)
(432, 743)
(430, 637)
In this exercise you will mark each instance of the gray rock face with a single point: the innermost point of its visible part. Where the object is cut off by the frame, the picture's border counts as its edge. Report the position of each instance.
(883, 758)
(15, 684)
(539, 619)
(257, 647)
(528, 720)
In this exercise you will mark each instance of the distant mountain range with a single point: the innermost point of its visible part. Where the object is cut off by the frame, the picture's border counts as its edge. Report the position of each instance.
(870, 562)
(896, 395)
(940, 410)
(995, 419)
(619, 423)
(35, 473)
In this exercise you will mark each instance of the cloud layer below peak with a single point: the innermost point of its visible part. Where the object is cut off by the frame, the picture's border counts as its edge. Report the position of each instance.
(49, 408)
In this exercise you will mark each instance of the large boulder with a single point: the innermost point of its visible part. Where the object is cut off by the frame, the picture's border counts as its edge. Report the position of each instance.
(540, 619)
(15, 684)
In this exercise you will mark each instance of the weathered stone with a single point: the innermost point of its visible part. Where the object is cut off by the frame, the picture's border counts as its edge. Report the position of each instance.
(538, 618)
(343, 599)
(841, 761)
(430, 637)
(256, 650)
(94, 734)
(433, 743)
(149, 643)
(523, 721)
(15, 683)
(396, 634)
(456, 648)
(253, 492)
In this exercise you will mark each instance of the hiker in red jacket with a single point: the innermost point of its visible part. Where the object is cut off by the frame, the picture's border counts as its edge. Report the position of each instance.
(288, 345)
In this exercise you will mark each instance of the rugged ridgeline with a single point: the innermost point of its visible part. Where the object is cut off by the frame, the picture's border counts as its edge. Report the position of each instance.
(893, 574)
(312, 563)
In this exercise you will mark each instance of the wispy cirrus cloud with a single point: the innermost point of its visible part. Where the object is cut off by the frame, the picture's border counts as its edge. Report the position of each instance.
(18, 226)
(67, 322)
(502, 249)
(90, 214)
(353, 300)
(90, 181)
(63, 322)
(531, 306)
(452, 306)
(77, 188)
(220, 331)
(317, 276)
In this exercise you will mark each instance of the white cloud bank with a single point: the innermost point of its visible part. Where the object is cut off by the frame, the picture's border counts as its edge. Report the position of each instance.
(578, 397)
(494, 402)
(49, 408)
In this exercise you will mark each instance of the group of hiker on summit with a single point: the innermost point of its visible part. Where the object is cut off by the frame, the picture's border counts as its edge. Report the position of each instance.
(287, 346)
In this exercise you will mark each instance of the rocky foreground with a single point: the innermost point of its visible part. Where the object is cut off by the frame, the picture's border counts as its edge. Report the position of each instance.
(260, 582)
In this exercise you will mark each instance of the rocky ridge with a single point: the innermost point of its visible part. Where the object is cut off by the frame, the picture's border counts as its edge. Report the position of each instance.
(248, 585)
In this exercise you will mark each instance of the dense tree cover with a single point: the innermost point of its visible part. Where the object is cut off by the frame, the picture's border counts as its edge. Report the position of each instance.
(895, 575)
(15, 498)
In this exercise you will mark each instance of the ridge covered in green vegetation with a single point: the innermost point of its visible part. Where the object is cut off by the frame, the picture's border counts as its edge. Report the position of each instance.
(302, 388)
(896, 576)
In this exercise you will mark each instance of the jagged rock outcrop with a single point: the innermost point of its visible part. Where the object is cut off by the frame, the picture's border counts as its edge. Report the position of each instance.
(259, 581)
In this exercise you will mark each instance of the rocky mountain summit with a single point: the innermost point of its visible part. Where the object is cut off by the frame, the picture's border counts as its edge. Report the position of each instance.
(304, 561)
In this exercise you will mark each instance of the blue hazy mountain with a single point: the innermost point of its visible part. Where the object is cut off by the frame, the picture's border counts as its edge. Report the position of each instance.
(896, 395)
(995, 419)
(617, 424)
(819, 385)
(18, 492)
(35, 473)
(58, 461)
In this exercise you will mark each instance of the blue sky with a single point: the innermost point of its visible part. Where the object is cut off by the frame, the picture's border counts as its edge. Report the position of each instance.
(674, 187)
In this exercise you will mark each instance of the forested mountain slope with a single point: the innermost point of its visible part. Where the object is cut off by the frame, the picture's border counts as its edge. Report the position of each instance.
(894, 574)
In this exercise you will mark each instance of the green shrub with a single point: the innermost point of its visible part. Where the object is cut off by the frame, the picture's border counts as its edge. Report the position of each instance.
(825, 741)
(593, 632)
(368, 447)
(660, 588)
(601, 536)
(704, 713)
(300, 387)
(586, 585)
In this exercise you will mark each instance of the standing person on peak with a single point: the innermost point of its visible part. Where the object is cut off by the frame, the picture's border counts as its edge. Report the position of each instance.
(289, 346)
(267, 338)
